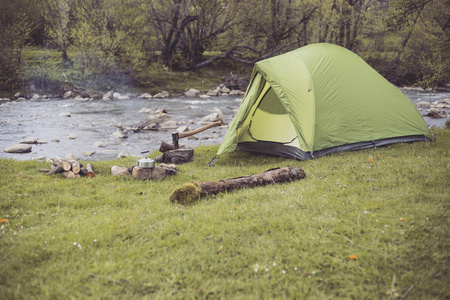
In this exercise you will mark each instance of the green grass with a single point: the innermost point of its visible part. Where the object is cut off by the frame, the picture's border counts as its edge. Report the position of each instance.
(117, 238)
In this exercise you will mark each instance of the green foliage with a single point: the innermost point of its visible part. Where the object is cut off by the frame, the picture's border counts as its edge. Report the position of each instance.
(368, 224)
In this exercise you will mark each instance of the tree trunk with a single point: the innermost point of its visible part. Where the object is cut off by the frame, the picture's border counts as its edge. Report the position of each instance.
(178, 156)
(192, 191)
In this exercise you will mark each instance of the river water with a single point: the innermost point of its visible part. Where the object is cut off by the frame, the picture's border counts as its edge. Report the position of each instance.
(93, 121)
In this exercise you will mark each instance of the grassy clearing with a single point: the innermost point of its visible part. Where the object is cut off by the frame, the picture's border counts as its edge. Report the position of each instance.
(117, 238)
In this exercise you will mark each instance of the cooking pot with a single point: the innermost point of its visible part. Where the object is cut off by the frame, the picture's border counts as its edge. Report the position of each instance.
(146, 163)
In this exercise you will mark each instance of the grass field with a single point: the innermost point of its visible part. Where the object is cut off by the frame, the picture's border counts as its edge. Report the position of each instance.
(370, 224)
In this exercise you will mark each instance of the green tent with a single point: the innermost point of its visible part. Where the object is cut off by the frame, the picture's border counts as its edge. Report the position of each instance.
(320, 99)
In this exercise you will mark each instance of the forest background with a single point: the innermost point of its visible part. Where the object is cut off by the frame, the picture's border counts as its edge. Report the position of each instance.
(51, 45)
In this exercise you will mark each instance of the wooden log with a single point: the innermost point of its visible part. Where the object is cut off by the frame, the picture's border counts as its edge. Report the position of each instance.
(71, 175)
(76, 166)
(44, 170)
(192, 191)
(89, 171)
(67, 165)
(56, 161)
(178, 156)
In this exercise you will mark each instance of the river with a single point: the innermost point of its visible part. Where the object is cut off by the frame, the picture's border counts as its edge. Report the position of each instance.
(95, 120)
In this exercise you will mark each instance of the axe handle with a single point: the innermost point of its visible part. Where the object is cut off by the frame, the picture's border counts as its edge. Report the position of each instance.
(185, 134)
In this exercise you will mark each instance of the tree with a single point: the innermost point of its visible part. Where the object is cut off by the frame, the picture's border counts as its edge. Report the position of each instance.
(56, 15)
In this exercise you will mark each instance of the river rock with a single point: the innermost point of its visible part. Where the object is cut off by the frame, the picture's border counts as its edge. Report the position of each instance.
(35, 97)
(39, 158)
(423, 104)
(214, 92)
(145, 96)
(21, 148)
(88, 153)
(236, 92)
(192, 93)
(213, 117)
(65, 114)
(123, 97)
(17, 95)
(99, 144)
(446, 101)
(107, 96)
(70, 156)
(120, 134)
(79, 98)
(146, 110)
(68, 94)
(182, 129)
(72, 136)
(205, 96)
(169, 125)
(225, 90)
(163, 94)
(116, 95)
(436, 114)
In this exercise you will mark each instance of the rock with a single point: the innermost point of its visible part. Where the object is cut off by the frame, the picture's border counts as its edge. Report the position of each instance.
(225, 90)
(205, 96)
(70, 156)
(88, 153)
(182, 129)
(68, 94)
(435, 103)
(436, 114)
(72, 136)
(155, 173)
(169, 125)
(79, 98)
(123, 97)
(40, 157)
(191, 122)
(56, 140)
(35, 97)
(145, 96)
(65, 114)
(120, 134)
(107, 96)
(236, 92)
(146, 110)
(21, 98)
(99, 144)
(29, 141)
(446, 101)
(17, 95)
(120, 171)
(442, 105)
(116, 95)
(161, 111)
(213, 117)
(163, 94)
(213, 93)
(192, 93)
(21, 148)
(122, 155)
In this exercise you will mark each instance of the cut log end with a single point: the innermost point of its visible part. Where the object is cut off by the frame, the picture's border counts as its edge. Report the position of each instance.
(186, 194)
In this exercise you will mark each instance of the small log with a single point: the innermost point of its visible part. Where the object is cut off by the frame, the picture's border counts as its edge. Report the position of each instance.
(44, 170)
(55, 170)
(76, 166)
(88, 171)
(178, 156)
(71, 175)
(192, 191)
(67, 165)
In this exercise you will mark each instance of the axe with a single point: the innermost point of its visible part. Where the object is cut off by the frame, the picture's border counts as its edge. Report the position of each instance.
(179, 135)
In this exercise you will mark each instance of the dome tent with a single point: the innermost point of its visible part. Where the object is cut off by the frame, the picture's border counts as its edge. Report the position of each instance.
(319, 99)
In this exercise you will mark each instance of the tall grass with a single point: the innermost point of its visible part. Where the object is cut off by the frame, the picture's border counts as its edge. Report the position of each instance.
(369, 224)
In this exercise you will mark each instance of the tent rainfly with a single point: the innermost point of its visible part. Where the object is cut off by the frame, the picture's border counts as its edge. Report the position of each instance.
(319, 99)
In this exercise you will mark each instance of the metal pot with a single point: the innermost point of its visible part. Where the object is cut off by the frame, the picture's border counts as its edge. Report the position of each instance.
(146, 163)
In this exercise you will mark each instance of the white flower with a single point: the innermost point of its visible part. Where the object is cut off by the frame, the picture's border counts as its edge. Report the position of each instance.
(267, 270)
(79, 246)
(295, 268)
(284, 272)
(75, 243)
(95, 240)
(274, 264)
(365, 211)
(256, 269)
(313, 272)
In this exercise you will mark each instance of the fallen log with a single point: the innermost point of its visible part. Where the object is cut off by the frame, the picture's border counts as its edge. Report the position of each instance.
(88, 171)
(192, 191)
(66, 165)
